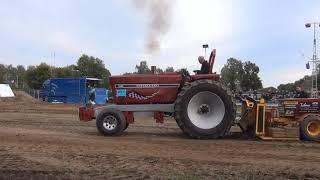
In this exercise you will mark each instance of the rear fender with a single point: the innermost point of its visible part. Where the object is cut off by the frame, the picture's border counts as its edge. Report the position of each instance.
(301, 118)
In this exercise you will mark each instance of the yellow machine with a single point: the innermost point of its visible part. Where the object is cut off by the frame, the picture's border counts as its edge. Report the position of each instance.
(291, 120)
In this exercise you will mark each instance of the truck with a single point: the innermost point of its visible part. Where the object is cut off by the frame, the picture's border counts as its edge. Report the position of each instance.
(73, 90)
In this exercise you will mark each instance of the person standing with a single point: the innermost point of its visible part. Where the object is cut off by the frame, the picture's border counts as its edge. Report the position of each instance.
(91, 93)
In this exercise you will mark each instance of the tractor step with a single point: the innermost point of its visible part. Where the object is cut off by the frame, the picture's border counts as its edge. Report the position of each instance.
(279, 139)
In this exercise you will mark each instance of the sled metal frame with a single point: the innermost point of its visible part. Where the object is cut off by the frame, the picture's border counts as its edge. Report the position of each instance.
(89, 113)
(139, 107)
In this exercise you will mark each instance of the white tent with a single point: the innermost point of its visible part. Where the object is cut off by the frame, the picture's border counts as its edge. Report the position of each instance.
(6, 91)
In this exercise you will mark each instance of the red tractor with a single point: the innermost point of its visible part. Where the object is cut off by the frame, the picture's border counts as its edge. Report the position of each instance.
(201, 105)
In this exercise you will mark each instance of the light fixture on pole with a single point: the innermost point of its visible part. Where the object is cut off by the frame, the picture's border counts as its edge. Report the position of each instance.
(314, 61)
(205, 46)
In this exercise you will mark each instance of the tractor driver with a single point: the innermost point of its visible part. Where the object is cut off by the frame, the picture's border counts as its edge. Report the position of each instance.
(204, 66)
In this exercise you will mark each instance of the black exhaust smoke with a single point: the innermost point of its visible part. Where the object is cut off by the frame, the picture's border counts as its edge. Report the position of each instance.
(159, 14)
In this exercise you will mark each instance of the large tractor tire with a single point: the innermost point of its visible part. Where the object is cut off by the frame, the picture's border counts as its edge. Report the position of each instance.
(204, 109)
(310, 128)
(110, 122)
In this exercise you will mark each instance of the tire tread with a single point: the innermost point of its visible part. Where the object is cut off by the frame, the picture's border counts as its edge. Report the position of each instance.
(179, 102)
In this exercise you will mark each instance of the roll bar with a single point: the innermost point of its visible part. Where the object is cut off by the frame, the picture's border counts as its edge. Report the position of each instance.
(211, 60)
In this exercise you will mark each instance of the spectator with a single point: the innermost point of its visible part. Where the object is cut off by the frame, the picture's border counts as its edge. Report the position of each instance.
(300, 93)
(91, 93)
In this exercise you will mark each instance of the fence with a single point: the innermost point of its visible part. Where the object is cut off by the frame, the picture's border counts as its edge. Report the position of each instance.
(36, 93)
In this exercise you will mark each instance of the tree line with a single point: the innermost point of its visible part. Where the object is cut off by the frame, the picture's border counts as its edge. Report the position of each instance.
(33, 76)
(143, 68)
(305, 83)
(236, 74)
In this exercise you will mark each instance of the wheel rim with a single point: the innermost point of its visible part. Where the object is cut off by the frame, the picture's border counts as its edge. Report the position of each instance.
(206, 110)
(313, 128)
(110, 122)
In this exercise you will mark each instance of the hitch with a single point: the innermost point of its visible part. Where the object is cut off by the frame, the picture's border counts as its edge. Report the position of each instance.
(86, 113)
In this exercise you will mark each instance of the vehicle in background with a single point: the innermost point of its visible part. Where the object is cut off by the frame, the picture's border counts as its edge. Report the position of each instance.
(73, 91)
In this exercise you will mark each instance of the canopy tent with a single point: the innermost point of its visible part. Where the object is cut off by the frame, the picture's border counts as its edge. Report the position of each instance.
(6, 91)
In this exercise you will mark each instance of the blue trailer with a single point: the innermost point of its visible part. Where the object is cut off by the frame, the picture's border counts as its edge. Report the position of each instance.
(72, 91)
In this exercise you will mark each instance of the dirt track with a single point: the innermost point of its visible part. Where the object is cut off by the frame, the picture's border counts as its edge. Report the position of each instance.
(41, 140)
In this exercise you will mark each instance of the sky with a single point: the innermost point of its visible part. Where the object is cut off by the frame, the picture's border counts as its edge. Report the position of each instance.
(270, 33)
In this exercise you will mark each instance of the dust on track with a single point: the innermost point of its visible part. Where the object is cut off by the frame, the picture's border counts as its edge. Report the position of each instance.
(41, 140)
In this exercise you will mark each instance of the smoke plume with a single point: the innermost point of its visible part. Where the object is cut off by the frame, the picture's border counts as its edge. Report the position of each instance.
(158, 14)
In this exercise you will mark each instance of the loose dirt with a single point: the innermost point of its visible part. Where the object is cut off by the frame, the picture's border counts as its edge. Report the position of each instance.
(47, 141)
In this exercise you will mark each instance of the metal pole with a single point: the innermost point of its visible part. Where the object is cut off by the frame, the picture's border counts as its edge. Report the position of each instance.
(205, 53)
(314, 82)
(17, 81)
(315, 62)
(314, 58)
(205, 46)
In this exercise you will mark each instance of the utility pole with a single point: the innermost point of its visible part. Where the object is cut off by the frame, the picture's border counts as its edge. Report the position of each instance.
(18, 81)
(54, 58)
(314, 61)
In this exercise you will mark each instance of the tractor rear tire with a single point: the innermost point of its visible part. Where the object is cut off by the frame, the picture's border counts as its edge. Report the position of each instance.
(110, 122)
(204, 109)
(310, 128)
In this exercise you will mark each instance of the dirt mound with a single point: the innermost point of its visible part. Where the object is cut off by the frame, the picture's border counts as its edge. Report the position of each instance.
(20, 97)
(24, 103)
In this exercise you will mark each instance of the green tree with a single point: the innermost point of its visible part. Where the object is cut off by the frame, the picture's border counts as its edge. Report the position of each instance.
(67, 71)
(142, 68)
(11, 76)
(35, 76)
(127, 73)
(159, 70)
(290, 87)
(169, 70)
(2, 73)
(93, 67)
(250, 79)
(236, 74)
(305, 83)
(232, 72)
(21, 72)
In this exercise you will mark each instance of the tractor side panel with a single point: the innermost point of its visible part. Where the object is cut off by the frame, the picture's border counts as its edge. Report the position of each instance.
(298, 107)
(145, 88)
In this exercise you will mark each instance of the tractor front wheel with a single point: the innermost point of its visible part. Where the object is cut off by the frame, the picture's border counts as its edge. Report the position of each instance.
(110, 122)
